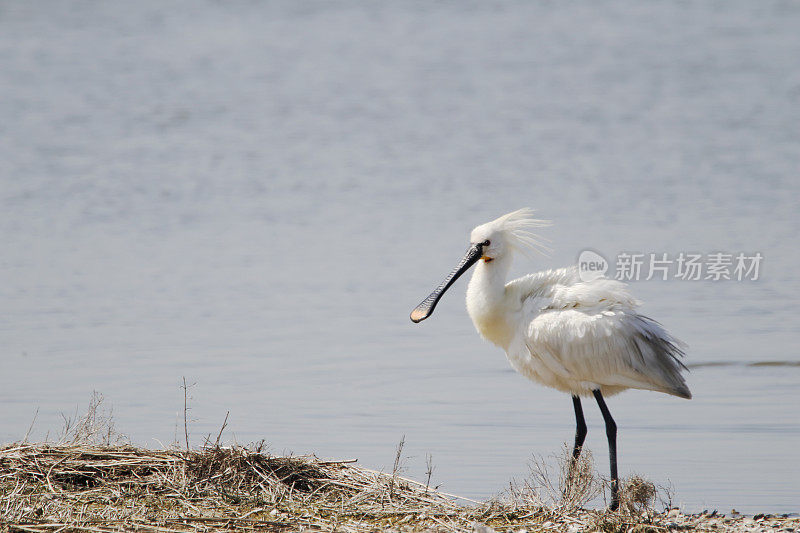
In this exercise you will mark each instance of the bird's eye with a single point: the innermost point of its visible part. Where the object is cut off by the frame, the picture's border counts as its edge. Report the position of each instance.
(486, 242)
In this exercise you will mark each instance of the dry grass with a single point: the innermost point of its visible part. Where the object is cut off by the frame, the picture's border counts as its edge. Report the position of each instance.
(88, 481)
(564, 487)
(107, 488)
(81, 487)
(95, 427)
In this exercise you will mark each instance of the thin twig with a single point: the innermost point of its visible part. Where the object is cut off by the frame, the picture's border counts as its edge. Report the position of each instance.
(429, 471)
(30, 428)
(185, 409)
(224, 424)
(396, 467)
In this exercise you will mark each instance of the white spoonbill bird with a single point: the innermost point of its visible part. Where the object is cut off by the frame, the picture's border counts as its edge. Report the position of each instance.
(580, 337)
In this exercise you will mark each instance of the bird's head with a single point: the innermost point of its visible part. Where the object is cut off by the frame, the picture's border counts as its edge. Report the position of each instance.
(494, 240)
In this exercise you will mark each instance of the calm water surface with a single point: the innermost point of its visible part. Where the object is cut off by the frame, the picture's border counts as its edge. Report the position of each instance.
(255, 195)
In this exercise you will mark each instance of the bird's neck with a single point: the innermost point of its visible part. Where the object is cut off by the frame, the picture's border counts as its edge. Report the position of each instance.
(486, 301)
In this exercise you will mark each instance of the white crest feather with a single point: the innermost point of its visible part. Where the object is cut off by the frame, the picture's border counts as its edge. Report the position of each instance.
(517, 226)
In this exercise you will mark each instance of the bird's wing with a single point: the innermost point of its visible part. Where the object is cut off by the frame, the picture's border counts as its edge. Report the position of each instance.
(590, 332)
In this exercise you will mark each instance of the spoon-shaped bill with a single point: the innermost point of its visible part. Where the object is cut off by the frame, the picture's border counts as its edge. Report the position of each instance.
(426, 307)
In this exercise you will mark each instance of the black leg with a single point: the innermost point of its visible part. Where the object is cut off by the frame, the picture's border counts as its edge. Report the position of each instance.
(580, 436)
(580, 428)
(611, 433)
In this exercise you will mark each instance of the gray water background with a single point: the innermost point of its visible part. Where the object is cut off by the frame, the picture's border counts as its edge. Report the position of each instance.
(254, 195)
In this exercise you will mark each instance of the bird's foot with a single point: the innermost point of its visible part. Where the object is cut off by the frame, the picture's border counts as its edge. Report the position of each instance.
(614, 495)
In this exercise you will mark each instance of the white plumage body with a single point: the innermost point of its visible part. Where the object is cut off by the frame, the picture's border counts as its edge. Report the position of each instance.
(575, 336)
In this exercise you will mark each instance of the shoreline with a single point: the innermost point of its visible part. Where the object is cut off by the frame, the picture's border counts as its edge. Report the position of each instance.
(79, 487)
